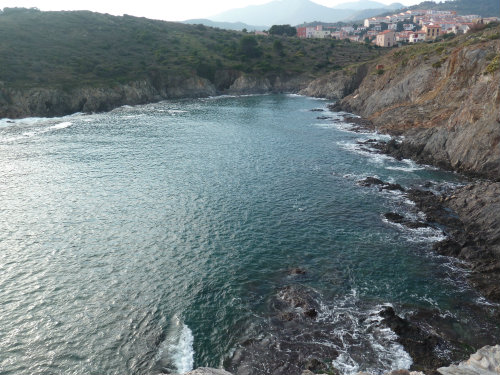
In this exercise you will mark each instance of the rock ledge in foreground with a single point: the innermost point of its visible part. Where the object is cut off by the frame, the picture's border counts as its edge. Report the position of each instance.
(208, 371)
(486, 361)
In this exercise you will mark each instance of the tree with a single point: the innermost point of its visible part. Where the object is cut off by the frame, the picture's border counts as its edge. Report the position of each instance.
(278, 47)
(399, 26)
(249, 46)
(383, 26)
(283, 30)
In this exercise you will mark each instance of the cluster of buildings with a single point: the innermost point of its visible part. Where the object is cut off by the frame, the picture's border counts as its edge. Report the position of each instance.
(411, 26)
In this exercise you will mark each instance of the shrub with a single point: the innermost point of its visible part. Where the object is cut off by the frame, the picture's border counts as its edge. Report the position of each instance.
(494, 65)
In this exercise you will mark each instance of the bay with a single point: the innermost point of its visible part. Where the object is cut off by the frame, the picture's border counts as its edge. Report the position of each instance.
(151, 238)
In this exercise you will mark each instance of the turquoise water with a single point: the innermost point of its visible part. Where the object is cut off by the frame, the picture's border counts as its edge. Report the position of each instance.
(150, 238)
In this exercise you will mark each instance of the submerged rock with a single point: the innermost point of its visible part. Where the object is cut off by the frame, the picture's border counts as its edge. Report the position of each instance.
(399, 219)
(291, 341)
(486, 361)
(297, 271)
(371, 181)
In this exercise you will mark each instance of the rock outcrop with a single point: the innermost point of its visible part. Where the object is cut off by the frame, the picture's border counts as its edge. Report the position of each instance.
(486, 361)
(445, 100)
(338, 84)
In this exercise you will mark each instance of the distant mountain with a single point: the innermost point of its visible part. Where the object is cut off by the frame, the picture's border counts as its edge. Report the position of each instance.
(368, 4)
(367, 13)
(276, 12)
(296, 12)
(238, 26)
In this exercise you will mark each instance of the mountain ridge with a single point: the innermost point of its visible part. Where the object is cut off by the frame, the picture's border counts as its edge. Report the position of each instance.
(296, 12)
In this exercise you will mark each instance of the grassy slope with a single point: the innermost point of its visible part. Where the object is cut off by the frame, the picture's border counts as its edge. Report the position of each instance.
(72, 49)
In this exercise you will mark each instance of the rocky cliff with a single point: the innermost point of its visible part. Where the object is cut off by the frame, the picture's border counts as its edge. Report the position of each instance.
(49, 102)
(443, 97)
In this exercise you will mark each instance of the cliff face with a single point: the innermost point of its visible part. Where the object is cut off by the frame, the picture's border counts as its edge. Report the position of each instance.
(47, 102)
(444, 98)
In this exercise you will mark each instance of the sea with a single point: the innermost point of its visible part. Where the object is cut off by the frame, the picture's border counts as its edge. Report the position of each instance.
(151, 239)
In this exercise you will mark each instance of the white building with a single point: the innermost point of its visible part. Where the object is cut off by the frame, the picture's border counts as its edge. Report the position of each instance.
(417, 37)
(347, 29)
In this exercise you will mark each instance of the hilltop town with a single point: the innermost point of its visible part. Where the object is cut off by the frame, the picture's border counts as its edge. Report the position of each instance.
(411, 26)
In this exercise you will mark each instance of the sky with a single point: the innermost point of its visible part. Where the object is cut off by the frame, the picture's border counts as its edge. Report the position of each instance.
(168, 10)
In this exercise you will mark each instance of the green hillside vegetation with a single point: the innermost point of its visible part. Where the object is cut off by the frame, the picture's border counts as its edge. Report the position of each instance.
(69, 49)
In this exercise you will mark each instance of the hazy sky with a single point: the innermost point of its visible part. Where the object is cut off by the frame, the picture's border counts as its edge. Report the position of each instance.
(166, 10)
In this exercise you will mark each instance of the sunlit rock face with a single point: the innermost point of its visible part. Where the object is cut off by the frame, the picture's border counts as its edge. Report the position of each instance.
(486, 361)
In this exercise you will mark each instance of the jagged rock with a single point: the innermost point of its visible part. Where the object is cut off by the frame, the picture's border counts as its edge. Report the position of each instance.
(246, 84)
(316, 366)
(399, 219)
(369, 181)
(291, 341)
(394, 217)
(486, 361)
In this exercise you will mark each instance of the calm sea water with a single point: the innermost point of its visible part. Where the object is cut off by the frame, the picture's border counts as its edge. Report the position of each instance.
(150, 238)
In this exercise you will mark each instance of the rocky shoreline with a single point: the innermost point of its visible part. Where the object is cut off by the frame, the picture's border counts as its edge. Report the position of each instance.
(486, 361)
(53, 102)
(18, 103)
(469, 216)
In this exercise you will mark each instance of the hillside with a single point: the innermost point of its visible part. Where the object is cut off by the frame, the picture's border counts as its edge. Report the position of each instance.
(74, 50)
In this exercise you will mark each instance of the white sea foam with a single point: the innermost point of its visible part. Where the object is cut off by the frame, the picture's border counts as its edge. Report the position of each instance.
(176, 353)
(418, 235)
(62, 125)
(175, 111)
(366, 344)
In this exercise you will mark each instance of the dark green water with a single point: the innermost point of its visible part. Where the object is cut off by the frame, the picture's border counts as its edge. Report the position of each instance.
(151, 237)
